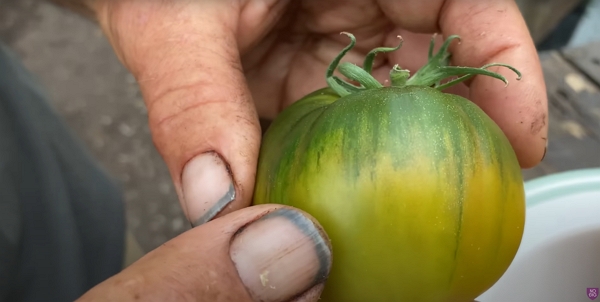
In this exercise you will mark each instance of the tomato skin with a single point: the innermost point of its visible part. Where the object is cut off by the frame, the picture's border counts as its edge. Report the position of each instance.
(419, 191)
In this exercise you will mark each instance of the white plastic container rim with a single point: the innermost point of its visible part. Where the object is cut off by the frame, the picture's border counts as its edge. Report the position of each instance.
(559, 257)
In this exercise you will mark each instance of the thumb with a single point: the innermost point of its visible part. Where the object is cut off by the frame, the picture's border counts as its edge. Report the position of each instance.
(202, 119)
(260, 253)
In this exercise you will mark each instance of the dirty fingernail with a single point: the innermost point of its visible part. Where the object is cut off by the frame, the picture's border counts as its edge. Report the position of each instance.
(207, 187)
(544, 155)
(545, 150)
(281, 255)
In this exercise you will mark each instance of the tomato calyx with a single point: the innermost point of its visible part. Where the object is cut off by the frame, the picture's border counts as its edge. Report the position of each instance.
(431, 74)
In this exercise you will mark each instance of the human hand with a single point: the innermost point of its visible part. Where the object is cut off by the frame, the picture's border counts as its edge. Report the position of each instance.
(206, 68)
(262, 253)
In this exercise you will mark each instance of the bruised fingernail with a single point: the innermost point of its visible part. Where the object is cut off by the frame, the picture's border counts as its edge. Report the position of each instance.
(282, 255)
(207, 187)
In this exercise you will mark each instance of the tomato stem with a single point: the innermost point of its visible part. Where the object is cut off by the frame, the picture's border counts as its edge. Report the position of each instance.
(431, 46)
(481, 70)
(353, 72)
(341, 87)
(431, 74)
(399, 76)
(358, 74)
(368, 63)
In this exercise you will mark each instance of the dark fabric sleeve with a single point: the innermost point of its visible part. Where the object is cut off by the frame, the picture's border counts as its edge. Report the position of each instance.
(10, 215)
(62, 217)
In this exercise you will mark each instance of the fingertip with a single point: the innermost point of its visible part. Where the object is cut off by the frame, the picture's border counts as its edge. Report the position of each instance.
(283, 256)
(311, 295)
(191, 77)
(519, 109)
(531, 155)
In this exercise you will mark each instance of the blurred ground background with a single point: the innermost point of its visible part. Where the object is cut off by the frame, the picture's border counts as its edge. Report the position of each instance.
(101, 102)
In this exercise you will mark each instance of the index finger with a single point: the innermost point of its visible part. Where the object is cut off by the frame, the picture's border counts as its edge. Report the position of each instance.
(491, 31)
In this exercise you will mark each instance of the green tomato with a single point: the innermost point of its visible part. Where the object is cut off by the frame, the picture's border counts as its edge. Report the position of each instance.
(419, 191)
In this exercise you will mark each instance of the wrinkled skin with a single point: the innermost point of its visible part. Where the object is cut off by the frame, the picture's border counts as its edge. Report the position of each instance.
(202, 96)
(207, 69)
